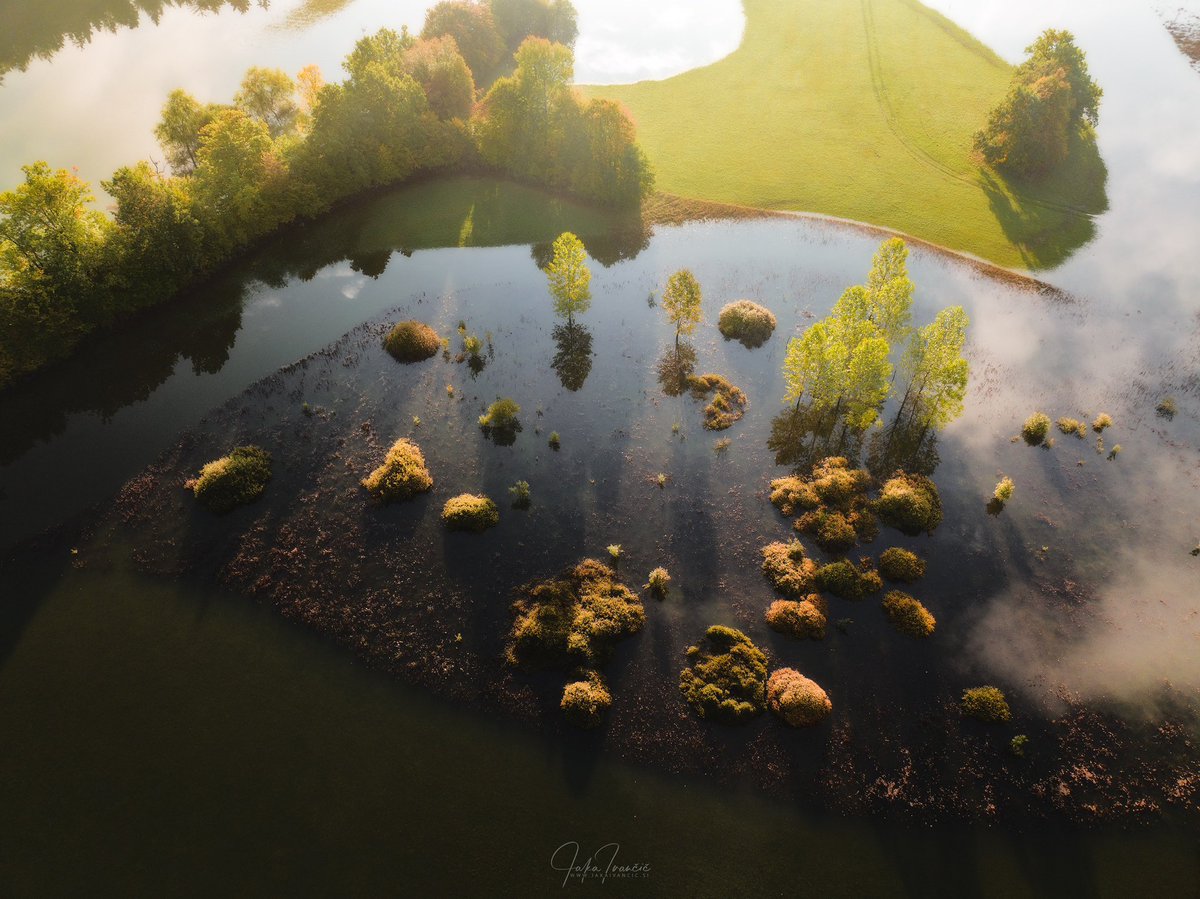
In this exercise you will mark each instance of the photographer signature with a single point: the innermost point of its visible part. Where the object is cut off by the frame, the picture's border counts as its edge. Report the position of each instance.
(600, 865)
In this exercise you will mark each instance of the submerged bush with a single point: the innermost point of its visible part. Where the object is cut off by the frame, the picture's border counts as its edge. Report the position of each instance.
(1072, 426)
(1102, 421)
(802, 619)
(986, 704)
(726, 678)
(788, 570)
(573, 619)
(832, 530)
(791, 493)
(910, 503)
(1004, 490)
(907, 615)
(1035, 428)
(520, 495)
(469, 512)
(799, 701)
(585, 701)
(843, 579)
(412, 341)
(555, 441)
(747, 322)
(1166, 408)
(501, 416)
(658, 582)
(233, 480)
(402, 475)
(727, 405)
(898, 564)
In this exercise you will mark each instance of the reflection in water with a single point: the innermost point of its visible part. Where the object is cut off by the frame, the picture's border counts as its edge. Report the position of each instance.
(1184, 27)
(904, 444)
(39, 30)
(573, 356)
(801, 436)
(675, 366)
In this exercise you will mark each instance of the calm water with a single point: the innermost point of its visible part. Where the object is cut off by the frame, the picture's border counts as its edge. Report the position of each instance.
(163, 738)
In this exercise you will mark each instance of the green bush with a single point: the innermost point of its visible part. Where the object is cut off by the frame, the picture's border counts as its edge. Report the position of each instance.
(1036, 427)
(747, 322)
(1004, 490)
(585, 701)
(726, 678)
(799, 701)
(986, 704)
(1072, 426)
(789, 572)
(907, 615)
(1103, 420)
(910, 503)
(402, 475)
(501, 416)
(841, 578)
(898, 564)
(412, 341)
(658, 582)
(520, 495)
(573, 619)
(233, 480)
(832, 531)
(802, 619)
(1018, 745)
(469, 512)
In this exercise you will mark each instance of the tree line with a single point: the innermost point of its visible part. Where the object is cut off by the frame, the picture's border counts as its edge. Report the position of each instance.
(287, 149)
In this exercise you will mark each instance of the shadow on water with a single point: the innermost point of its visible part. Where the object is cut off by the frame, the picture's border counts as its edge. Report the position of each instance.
(1051, 217)
(573, 355)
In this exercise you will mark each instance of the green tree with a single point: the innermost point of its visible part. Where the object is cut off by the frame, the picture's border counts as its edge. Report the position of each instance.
(886, 299)
(473, 29)
(385, 48)
(681, 300)
(443, 74)
(840, 364)
(569, 276)
(269, 95)
(555, 20)
(936, 372)
(178, 130)
(233, 179)
(1055, 51)
(813, 367)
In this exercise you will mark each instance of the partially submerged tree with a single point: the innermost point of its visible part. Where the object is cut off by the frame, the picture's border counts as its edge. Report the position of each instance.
(935, 371)
(681, 300)
(569, 276)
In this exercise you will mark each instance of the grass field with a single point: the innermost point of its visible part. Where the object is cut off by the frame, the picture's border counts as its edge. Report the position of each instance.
(862, 109)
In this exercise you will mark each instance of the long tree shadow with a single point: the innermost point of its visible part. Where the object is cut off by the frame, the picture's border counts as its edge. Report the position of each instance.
(573, 356)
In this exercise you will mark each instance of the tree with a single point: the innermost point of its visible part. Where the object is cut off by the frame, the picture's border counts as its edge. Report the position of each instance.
(681, 300)
(886, 299)
(269, 95)
(473, 29)
(569, 276)
(813, 367)
(840, 364)
(178, 130)
(554, 20)
(309, 82)
(235, 168)
(1055, 51)
(936, 371)
(444, 75)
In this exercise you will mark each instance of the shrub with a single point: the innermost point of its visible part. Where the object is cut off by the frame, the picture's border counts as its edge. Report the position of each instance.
(1072, 426)
(614, 552)
(836, 483)
(747, 322)
(799, 701)
(520, 494)
(501, 416)
(898, 564)
(907, 615)
(585, 701)
(1166, 408)
(832, 530)
(1004, 490)
(658, 582)
(1102, 421)
(412, 342)
(802, 619)
(726, 678)
(573, 619)
(469, 512)
(555, 442)
(788, 570)
(910, 503)
(986, 704)
(843, 579)
(1035, 428)
(727, 405)
(402, 475)
(233, 480)
(1018, 744)
(791, 493)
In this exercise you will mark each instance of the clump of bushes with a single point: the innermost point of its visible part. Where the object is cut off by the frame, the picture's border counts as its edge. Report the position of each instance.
(1102, 421)
(791, 493)
(803, 619)
(747, 322)
(501, 416)
(1072, 426)
(659, 582)
(843, 579)
(910, 503)
(233, 480)
(585, 701)
(412, 341)
(470, 512)
(726, 677)
(799, 701)
(520, 495)
(1035, 428)
(574, 619)
(786, 567)
(986, 704)
(900, 565)
(907, 615)
(1004, 490)
(832, 531)
(403, 474)
(727, 405)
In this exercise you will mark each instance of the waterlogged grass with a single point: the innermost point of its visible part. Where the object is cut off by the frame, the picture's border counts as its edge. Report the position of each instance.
(863, 110)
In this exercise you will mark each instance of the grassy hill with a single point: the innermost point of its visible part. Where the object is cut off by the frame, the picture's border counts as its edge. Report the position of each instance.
(862, 109)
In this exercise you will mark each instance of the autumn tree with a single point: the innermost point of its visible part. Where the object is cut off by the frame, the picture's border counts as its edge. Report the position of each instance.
(473, 29)
(569, 277)
(936, 371)
(554, 20)
(443, 74)
(681, 300)
(269, 95)
(235, 169)
(178, 130)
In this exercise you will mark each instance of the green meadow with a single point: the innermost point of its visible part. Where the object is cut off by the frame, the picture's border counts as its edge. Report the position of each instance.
(862, 109)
